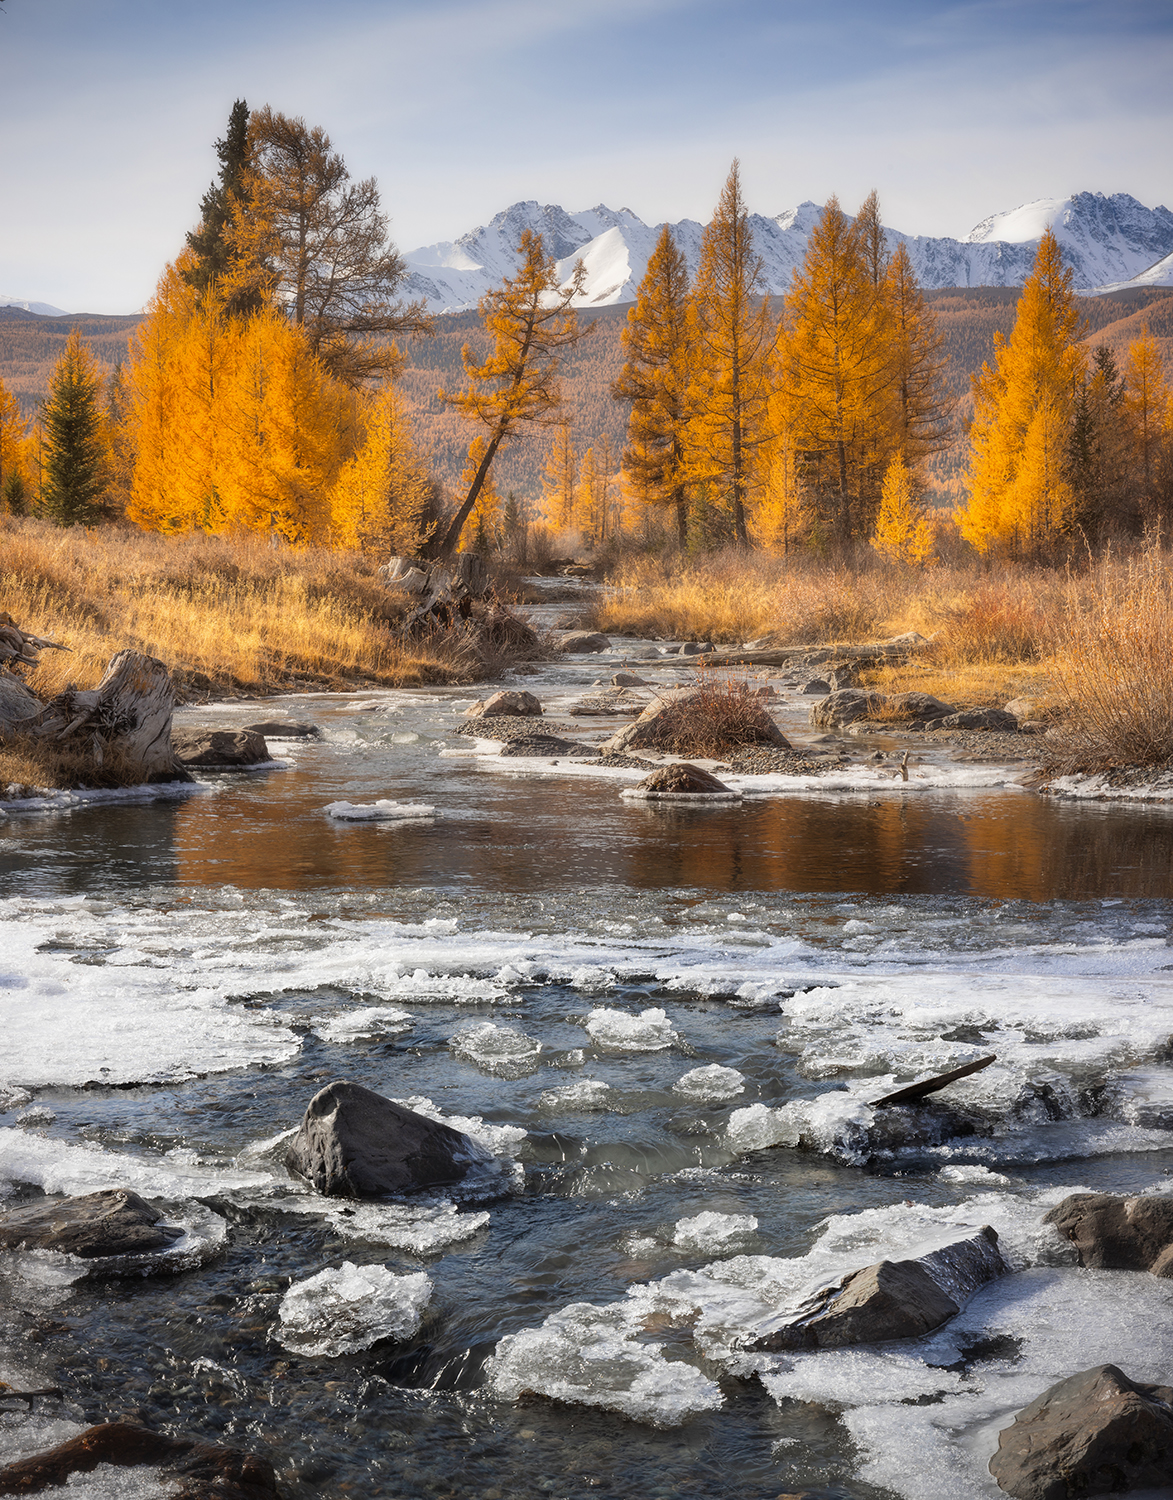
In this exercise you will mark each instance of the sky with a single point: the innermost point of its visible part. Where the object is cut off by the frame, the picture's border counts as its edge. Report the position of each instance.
(109, 110)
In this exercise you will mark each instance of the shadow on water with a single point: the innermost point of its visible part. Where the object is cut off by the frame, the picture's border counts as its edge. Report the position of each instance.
(499, 834)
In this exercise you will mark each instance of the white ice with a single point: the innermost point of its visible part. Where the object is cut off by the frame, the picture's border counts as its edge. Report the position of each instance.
(712, 1233)
(711, 1084)
(341, 1311)
(366, 1021)
(499, 1050)
(620, 1031)
(384, 810)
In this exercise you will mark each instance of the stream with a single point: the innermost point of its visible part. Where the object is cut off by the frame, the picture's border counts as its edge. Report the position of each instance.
(665, 1024)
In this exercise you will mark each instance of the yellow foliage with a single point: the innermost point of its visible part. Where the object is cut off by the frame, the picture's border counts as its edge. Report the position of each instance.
(1020, 499)
(903, 532)
(236, 423)
(16, 479)
(383, 490)
(1147, 401)
(560, 479)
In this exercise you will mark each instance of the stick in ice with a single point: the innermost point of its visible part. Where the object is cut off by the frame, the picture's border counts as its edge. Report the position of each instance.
(916, 1091)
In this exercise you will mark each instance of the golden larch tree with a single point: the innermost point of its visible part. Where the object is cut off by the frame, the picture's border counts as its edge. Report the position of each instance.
(730, 385)
(1020, 495)
(1145, 404)
(16, 476)
(383, 490)
(903, 532)
(836, 367)
(531, 319)
(659, 342)
(560, 478)
(921, 409)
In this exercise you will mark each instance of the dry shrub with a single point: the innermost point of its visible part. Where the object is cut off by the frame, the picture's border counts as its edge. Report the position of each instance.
(722, 715)
(995, 623)
(249, 616)
(1114, 663)
(27, 764)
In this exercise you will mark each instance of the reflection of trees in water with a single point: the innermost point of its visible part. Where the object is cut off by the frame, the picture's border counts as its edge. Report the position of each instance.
(541, 835)
(1054, 850)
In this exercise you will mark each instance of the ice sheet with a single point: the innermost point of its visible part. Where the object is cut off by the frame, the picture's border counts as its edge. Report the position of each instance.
(499, 1050)
(711, 1084)
(60, 1167)
(340, 1311)
(712, 1233)
(367, 1021)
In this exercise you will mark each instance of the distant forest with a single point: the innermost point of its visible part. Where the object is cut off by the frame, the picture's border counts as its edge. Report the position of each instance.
(967, 319)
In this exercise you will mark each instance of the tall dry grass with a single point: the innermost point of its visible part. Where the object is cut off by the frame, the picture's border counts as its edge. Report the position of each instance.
(1114, 665)
(248, 617)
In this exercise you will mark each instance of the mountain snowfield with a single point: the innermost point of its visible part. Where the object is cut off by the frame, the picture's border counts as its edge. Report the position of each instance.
(1109, 241)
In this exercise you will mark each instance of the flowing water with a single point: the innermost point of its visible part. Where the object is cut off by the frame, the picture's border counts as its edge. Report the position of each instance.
(666, 1023)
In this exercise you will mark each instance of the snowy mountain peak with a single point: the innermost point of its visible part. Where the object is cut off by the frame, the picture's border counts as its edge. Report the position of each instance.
(1108, 240)
(42, 309)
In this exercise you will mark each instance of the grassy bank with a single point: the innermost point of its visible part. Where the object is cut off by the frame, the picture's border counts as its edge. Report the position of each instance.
(1094, 646)
(226, 615)
(248, 617)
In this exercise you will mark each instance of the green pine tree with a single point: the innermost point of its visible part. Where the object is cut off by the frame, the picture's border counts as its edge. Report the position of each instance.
(210, 240)
(74, 462)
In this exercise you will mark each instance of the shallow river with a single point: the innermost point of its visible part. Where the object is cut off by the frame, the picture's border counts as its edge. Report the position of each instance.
(666, 1023)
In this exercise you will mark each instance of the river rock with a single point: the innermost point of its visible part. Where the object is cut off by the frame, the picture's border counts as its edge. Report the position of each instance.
(898, 1299)
(675, 715)
(682, 779)
(204, 1471)
(543, 744)
(696, 648)
(850, 704)
(817, 685)
(117, 1222)
(281, 729)
(353, 1143)
(1093, 1433)
(219, 749)
(507, 703)
(979, 718)
(1114, 1233)
(629, 680)
(582, 642)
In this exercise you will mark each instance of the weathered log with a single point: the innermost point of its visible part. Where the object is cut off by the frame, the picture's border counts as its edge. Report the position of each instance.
(444, 592)
(127, 717)
(17, 645)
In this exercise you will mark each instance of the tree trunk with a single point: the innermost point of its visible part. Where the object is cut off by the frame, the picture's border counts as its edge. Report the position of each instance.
(125, 719)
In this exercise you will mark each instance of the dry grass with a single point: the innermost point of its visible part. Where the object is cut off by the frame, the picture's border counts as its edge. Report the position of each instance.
(249, 617)
(1114, 664)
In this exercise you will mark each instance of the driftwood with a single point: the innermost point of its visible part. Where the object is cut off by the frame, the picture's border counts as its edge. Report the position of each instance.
(123, 723)
(443, 593)
(917, 1091)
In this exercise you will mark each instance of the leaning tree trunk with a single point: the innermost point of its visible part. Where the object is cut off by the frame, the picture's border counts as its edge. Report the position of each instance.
(125, 720)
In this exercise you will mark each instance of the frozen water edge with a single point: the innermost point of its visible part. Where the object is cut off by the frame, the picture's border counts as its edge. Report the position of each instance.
(49, 799)
(1098, 788)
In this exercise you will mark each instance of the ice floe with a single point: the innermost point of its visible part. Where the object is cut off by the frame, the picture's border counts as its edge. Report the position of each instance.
(366, 1021)
(711, 1084)
(58, 1166)
(620, 1031)
(340, 1311)
(384, 810)
(499, 1050)
(712, 1233)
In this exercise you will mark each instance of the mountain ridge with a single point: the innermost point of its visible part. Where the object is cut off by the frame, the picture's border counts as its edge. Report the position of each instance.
(1110, 242)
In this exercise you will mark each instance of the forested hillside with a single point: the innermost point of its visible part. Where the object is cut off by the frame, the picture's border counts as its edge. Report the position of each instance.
(967, 318)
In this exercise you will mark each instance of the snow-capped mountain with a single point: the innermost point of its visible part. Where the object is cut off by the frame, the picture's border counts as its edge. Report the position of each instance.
(42, 309)
(1109, 241)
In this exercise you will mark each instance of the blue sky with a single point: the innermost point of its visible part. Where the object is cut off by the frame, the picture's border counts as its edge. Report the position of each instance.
(460, 107)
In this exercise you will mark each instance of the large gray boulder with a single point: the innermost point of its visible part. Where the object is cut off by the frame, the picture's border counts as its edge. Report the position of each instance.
(509, 702)
(583, 642)
(353, 1143)
(219, 749)
(682, 780)
(899, 1299)
(851, 704)
(1114, 1233)
(979, 718)
(117, 1222)
(1092, 1434)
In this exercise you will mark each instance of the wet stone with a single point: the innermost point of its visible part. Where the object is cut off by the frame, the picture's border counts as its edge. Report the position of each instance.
(117, 1222)
(219, 749)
